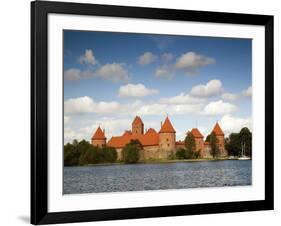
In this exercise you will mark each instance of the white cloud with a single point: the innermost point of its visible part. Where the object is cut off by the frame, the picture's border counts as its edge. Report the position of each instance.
(136, 90)
(247, 92)
(74, 74)
(87, 105)
(182, 99)
(160, 109)
(212, 88)
(164, 71)
(191, 62)
(230, 124)
(166, 57)
(218, 108)
(230, 96)
(88, 58)
(147, 58)
(114, 72)
(71, 134)
(66, 120)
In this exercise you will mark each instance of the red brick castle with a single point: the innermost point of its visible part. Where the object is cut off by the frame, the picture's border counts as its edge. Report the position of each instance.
(158, 145)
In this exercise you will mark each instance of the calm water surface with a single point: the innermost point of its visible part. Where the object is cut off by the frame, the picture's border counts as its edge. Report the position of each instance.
(139, 177)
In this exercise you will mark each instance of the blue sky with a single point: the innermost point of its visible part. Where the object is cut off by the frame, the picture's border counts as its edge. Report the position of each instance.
(110, 77)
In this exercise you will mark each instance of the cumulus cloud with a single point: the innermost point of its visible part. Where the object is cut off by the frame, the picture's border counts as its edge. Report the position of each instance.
(230, 96)
(164, 71)
(191, 62)
(247, 92)
(160, 109)
(147, 58)
(182, 99)
(74, 74)
(88, 105)
(135, 90)
(232, 124)
(114, 72)
(88, 58)
(219, 108)
(71, 134)
(212, 88)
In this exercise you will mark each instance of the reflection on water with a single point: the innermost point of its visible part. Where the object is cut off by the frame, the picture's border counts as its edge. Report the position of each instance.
(139, 177)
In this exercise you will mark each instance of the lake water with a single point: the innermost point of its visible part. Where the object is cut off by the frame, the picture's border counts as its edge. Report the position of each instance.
(139, 177)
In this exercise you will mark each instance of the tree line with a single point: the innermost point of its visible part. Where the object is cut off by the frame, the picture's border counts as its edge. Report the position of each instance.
(83, 153)
(237, 143)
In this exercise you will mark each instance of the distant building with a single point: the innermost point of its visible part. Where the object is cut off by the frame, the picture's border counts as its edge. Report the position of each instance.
(157, 145)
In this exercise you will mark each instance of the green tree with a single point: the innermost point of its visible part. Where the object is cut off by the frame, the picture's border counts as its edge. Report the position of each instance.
(180, 153)
(246, 141)
(71, 154)
(89, 156)
(131, 151)
(190, 146)
(214, 145)
(233, 144)
(208, 138)
(109, 154)
(236, 141)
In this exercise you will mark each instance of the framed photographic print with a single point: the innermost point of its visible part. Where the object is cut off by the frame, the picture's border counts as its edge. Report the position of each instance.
(145, 112)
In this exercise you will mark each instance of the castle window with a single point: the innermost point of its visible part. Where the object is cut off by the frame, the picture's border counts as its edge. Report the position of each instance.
(168, 145)
(167, 139)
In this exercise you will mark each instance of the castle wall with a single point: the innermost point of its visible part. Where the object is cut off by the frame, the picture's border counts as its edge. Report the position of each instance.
(98, 143)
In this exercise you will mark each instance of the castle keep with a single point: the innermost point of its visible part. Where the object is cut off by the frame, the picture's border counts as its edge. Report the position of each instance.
(158, 145)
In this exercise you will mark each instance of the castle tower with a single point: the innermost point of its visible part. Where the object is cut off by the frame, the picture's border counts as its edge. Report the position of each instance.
(98, 139)
(220, 136)
(199, 140)
(137, 126)
(167, 138)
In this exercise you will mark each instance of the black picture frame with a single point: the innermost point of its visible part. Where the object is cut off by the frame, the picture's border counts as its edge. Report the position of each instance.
(39, 112)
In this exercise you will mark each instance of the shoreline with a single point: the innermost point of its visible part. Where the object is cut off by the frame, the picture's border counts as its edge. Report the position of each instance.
(160, 162)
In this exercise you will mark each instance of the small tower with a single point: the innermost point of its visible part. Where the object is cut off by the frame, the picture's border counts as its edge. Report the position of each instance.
(199, 140)
(220, 136)
(137, 126)
(167, 138)
(98, 139)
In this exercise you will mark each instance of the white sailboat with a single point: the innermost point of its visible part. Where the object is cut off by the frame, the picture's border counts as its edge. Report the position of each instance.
(243, 153)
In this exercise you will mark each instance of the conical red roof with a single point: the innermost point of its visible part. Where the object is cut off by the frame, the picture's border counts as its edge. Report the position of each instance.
(167, 127)
(150, 131)
(217, 130)
(137, 120)
(196, 133)
(98, 135)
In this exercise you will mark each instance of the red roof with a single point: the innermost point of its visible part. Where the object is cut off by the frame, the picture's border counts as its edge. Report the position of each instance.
(150, 131)
(150, 138)
(217, 130)
(196, 133)
(137, 120)
(127, 133)
(167, 127)
(98, 135)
